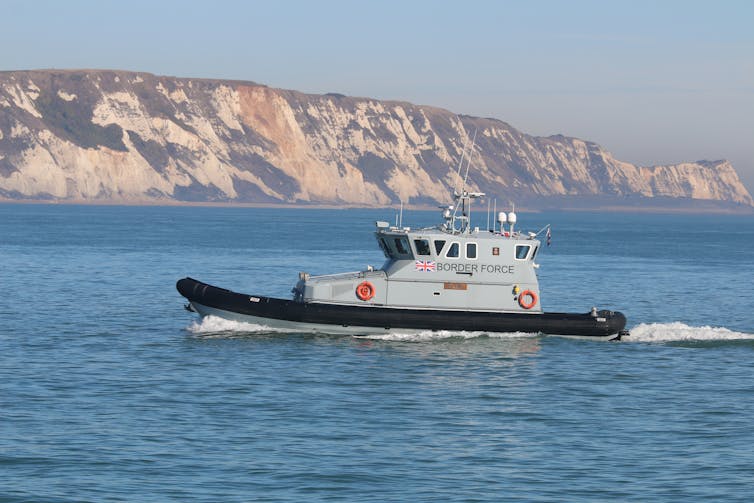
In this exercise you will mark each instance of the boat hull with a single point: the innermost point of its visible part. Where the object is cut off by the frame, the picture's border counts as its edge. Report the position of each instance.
(369, 319)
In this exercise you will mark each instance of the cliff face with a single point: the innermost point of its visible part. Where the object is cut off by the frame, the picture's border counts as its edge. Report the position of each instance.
(115, 136)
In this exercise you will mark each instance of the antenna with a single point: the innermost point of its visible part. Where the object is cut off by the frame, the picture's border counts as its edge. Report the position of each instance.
(462, 198)
(494, 222)
(468, 161)
(400, 223)
(460, 163)
(488, 214)
(463, 195)
(512, 217)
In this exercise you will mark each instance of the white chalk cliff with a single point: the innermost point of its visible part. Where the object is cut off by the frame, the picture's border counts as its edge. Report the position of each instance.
(115, 136)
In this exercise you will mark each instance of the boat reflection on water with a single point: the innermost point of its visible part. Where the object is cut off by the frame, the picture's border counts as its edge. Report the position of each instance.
(455, 345)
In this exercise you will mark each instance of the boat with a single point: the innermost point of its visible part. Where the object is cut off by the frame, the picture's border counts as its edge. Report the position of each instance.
(450, 277)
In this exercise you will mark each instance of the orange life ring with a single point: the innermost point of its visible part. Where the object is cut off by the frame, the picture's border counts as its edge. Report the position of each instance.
(365, 290)
(524, 304)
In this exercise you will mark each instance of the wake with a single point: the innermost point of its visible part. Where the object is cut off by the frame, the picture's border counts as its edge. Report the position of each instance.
(216, 326)
(644, 332)
(677, 331)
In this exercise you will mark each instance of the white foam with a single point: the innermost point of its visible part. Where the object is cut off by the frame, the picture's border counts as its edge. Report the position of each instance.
(214, 325)
(677, 331)
(438, 335)
(644, 332)
(217, 325)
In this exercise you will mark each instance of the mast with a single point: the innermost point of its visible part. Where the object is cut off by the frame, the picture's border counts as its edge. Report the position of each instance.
(461, 224)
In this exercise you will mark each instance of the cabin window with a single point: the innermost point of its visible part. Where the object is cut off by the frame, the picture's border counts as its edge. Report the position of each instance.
(401, 244)
(534, 253)
(453, 251)
(422, 247)
(384, 247)
(522, 251)
(439, 243)
(471, 250)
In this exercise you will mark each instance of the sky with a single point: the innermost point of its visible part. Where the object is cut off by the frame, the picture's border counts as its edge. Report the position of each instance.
(653, 82)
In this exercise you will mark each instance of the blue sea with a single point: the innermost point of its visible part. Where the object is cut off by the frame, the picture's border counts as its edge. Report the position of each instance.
(110, 391)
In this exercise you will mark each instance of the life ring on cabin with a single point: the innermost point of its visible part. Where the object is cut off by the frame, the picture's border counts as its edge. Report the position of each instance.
(365, 290)
(531, 303)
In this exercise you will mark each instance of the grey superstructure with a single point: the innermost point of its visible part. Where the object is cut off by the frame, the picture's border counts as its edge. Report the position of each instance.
(451, 267)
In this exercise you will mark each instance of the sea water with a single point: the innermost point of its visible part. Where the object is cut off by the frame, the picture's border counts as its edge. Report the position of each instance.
(110, 391)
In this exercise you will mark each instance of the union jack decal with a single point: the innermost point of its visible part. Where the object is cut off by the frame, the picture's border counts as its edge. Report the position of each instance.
(425, 266)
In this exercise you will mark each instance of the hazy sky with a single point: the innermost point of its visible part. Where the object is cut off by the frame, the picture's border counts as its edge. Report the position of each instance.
(652, 81)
